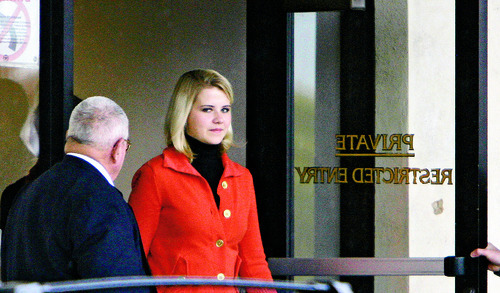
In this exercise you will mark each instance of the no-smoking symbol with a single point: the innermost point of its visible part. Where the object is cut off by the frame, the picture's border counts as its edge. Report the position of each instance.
(15, 29)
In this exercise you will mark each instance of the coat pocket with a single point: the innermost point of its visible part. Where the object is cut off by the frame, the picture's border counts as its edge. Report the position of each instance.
(180, 268)
(237, 266)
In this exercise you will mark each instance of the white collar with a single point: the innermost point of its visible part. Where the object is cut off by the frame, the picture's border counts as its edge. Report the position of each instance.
(96, 164)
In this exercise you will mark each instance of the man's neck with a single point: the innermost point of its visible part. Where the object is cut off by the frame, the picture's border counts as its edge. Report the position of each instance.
(100, 156)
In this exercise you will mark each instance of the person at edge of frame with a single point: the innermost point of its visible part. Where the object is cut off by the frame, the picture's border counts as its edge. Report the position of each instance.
(492, 254)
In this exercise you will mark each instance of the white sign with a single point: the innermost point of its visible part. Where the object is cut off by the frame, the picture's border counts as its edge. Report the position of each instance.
(19, 33)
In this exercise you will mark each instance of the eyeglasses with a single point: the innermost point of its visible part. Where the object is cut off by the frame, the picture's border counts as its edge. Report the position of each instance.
(128, 144)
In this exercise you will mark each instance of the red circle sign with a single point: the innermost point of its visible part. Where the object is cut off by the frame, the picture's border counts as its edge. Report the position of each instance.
(15, 29)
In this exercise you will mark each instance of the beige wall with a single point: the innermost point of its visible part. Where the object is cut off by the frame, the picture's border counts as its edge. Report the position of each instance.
(134, 51)
(391, 84)
(493, 131)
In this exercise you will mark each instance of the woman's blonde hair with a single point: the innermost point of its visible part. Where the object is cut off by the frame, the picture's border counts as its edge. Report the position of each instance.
(189, 85)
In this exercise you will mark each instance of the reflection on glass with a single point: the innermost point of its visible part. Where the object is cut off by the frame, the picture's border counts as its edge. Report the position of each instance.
(316, 98)
(414, 98)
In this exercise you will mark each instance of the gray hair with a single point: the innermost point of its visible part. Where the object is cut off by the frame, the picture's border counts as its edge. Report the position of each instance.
(99, 122)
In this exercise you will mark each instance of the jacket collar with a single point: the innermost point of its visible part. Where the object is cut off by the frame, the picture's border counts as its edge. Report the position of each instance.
(179, 162)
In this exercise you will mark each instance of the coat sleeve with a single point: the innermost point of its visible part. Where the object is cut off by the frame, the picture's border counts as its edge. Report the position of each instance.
(251, 251)
(146, 204)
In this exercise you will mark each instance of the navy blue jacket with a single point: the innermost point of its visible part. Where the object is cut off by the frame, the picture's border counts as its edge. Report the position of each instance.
(71, 224)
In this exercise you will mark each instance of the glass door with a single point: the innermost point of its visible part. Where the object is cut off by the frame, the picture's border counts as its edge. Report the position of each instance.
(380, 187)
(380, 173)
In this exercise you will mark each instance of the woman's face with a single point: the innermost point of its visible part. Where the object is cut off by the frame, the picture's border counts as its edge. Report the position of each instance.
(210, 117)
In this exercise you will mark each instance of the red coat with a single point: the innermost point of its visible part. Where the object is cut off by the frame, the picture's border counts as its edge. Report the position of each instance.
(182, 230)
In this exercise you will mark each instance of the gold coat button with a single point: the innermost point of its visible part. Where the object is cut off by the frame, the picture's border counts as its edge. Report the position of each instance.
(224, 184)
(227, 214)
(219, 243)
(221, 277)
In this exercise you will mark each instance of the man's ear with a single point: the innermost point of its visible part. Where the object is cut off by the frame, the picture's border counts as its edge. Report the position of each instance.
(116, 150)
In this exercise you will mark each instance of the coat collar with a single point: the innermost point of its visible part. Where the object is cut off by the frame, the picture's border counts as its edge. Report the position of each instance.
(179, 162)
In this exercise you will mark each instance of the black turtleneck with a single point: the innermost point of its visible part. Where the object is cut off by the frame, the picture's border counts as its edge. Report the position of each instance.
(207, 161)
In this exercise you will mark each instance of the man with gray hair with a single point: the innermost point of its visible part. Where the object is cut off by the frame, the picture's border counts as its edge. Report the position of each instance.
(71, 222)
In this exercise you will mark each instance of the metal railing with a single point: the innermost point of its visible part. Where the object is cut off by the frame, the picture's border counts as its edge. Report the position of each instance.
(326, 267)
(363, 266)
(451, 266)
(144, 281)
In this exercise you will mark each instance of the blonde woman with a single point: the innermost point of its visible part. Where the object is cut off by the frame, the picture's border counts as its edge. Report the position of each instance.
(195, 207)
